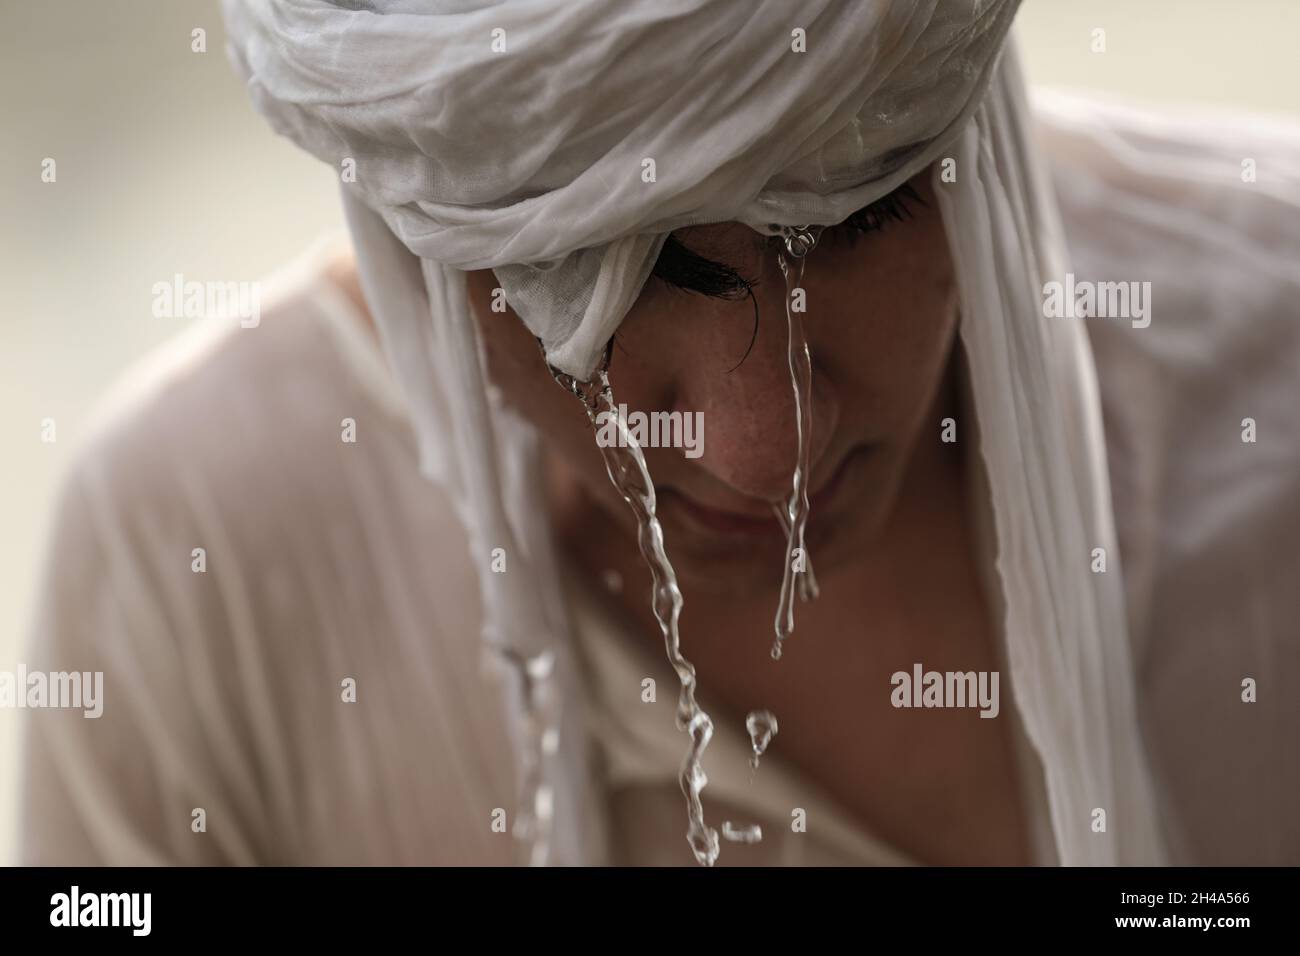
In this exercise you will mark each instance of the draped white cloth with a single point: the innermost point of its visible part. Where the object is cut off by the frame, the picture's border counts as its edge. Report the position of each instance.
(515, 136)
(1041, 439)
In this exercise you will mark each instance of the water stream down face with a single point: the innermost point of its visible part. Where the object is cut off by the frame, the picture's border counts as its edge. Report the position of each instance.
(626, 466)
(798, 243)
(625, 463)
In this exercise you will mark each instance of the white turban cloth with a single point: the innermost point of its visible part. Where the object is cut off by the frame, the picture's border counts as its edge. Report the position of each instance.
(559, 142)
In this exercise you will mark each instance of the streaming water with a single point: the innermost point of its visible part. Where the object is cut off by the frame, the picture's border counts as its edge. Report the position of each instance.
(541, 739)
(625, 463)
(626, 466)
(806, 582)
(798, 243)
(793, 514)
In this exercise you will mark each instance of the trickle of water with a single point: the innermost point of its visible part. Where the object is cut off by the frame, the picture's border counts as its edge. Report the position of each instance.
(747, 833)
(541, 739)
(798, 243)
(807, 581)
(762, 727)
(626, 466)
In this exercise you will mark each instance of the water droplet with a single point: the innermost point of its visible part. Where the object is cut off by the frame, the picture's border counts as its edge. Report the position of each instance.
(746, 833)
(762, 727)
(539, 667)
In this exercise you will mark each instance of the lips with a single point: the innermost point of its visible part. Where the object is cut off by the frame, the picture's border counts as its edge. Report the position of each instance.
(725, 522)
(759, 520)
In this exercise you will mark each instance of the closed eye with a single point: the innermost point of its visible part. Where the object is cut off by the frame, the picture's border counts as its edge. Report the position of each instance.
(892, 207)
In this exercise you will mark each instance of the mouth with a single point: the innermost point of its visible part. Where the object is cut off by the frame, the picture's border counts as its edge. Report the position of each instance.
(761, 521)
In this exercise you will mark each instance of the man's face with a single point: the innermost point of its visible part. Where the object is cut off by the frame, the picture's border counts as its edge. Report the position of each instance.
(880, 320)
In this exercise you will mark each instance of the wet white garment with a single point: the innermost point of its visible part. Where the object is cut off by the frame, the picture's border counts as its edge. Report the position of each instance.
(575, 191)
(328, 560)
(1206, 207)
(325, 561)
(224, 688)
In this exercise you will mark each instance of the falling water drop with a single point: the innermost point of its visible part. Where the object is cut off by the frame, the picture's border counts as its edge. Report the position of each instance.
(762, 727)
(746, 833)
(627, 469)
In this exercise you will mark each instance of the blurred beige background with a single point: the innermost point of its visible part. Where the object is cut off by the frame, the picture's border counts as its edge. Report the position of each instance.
(163, 168)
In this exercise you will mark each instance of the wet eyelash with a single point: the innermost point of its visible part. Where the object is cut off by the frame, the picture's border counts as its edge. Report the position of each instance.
(893, 207)
(677, 267)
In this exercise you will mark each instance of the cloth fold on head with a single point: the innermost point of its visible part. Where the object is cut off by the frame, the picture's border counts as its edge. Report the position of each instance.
(786, 116)
(558, 143)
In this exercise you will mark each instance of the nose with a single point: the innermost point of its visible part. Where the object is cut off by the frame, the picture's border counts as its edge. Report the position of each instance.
(748, 408)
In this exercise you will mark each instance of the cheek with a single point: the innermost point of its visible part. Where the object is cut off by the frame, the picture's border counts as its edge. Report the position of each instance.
(888, 340)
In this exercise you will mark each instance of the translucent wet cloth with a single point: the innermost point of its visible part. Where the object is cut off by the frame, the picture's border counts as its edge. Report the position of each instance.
(558, 143)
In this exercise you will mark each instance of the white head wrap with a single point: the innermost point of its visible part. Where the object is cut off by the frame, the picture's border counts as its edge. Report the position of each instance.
(521, 136)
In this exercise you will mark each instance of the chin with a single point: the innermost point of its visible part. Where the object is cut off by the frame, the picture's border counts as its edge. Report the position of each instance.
(746, 578)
